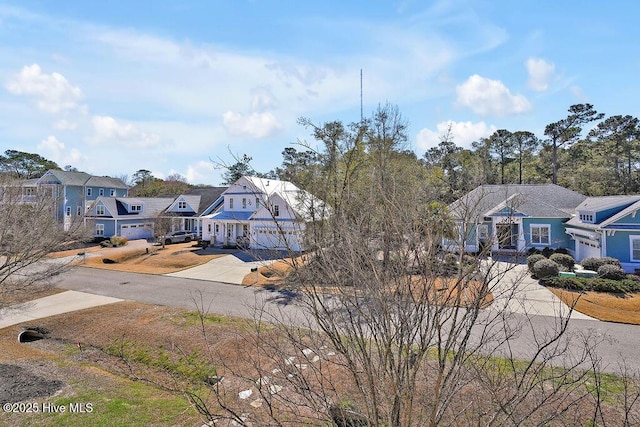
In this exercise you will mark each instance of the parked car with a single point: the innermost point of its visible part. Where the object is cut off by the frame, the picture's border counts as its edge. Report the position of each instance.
(178, 236)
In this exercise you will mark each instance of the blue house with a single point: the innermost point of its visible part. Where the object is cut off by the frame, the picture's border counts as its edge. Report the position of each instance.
(74, 192)
(607, 226)
(513, 218)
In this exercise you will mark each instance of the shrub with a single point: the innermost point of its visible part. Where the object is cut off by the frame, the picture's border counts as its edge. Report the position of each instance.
(596, 262)
(547, 251)
(118, 241)
(451, 259)
(545, 268)
(532, 259)
(562, 251)
(534, 251)
(609, 271)
(588, 284)
(106, 243)
(565, 261)
(571, 283)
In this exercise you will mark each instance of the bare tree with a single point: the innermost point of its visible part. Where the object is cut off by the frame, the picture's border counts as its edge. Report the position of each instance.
(29, 231)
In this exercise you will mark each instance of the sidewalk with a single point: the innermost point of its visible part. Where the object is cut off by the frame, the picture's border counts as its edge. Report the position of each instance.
(61, 303)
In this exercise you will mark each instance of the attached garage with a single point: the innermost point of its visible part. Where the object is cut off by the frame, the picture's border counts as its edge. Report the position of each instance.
(586, 249)
(136, 231)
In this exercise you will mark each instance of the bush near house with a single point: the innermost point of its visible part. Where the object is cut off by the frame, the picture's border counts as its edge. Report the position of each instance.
(582, 284)
(595, 263)
(545, 268)
(565, 261)
(610, 271)
(532, 259)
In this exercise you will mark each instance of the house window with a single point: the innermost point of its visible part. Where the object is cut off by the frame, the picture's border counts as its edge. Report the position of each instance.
(89, 192)
(540, 234)
(136, 208)
(100, 210)
(182, 205)
(257, 203)
(99, 229)
(68, 210)
(231, 203)
(112, 192)
(483, 231)
(276, 210)
(634, 246)
(78, 210)
(208, 228)
(244, 203)
(101, 192)
(217, 228)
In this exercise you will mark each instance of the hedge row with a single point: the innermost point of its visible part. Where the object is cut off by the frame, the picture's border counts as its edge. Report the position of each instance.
(627, 285)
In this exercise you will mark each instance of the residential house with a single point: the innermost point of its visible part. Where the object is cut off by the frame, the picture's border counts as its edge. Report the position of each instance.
(607, 226)
(187, 210)
(513, 218)
(262, 214)
(130, 217)
(138, 217)
(74, 192)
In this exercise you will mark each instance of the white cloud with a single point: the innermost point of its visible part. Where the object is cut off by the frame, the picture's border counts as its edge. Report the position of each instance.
(540, 73)
(53, 92)
(56, 151)
(254, 125)
(463, 134)
(65, 125)
(490, 97)
(107, 129)
(201, 171)
(262, 100)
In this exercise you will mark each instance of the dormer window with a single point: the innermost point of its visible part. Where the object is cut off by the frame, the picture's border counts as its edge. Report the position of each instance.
(100, 210)
(136, 208)
(276, 210)
(182, 205)
(586, 217)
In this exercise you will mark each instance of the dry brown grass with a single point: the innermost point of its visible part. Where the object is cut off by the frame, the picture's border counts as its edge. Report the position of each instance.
(269, 275)
(156, 260)
(617, 308)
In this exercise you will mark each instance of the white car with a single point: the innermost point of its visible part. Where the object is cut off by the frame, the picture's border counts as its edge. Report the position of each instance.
(178, 236)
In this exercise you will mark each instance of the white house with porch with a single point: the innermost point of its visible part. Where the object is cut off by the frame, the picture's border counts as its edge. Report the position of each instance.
(261, 213)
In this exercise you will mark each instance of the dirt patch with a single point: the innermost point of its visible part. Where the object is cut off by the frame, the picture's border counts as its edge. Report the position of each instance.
(18, 384)
(150, 260)
(617, 308)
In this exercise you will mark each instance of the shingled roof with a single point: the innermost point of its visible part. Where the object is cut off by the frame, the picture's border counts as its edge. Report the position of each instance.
(529, 200)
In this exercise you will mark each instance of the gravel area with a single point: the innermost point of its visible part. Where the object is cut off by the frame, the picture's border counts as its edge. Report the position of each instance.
(18, 384)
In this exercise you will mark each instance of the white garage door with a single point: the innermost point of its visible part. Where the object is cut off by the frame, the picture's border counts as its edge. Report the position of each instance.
(587, 249)
(136, 231)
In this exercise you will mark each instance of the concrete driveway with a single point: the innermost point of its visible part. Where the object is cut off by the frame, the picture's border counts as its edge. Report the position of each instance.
(226, 269)
(515, 291)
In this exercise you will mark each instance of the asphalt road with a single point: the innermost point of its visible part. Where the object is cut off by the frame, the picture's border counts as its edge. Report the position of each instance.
(620, 343)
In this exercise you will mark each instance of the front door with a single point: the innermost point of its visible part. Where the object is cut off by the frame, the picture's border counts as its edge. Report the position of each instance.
(229, 234)
(507, 236)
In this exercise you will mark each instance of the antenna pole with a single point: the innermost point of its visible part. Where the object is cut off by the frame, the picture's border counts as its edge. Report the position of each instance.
(361, 113)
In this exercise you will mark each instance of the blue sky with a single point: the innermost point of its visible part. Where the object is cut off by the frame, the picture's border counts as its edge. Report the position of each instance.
(114, 87)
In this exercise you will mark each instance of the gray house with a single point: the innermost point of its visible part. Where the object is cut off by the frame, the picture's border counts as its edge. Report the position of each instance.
(513, 218)
(138, 217)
